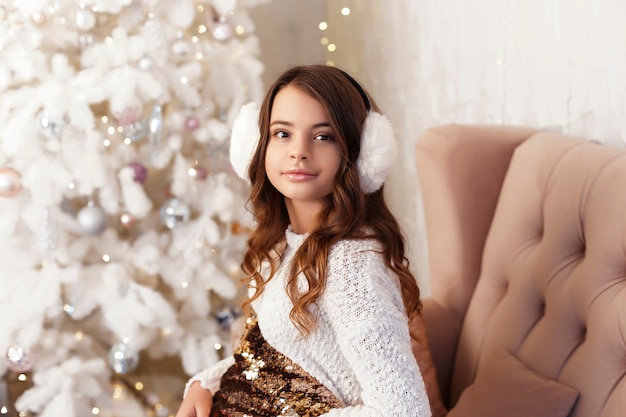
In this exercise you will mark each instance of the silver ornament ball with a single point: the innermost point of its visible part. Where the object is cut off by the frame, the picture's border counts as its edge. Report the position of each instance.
(174, 212)
(19, 359)
(122, 358)
(92, 220)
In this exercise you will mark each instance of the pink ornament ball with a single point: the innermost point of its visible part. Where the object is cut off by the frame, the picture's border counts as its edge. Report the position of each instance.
(198, 173)
(192, 123)
(10, 182)
(127, 220)
(141, 172)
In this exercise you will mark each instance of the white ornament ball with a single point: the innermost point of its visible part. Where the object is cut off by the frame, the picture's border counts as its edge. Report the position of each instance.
(85, 19)
(10, 182)
(39, 18)
(181, 48)
(145, 63)
(19, 359)
(122, 358)
(92, 220)
(174, 213)
(223, 31)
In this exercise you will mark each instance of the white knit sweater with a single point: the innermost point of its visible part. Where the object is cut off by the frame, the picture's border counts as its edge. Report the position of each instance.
(361, 349)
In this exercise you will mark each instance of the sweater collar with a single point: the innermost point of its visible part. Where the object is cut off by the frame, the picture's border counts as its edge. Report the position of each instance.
(294, 240)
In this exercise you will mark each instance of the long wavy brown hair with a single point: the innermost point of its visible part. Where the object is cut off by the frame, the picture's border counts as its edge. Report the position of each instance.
(348, 213)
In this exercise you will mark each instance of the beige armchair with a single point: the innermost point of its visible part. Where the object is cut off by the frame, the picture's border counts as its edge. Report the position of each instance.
(527, 257)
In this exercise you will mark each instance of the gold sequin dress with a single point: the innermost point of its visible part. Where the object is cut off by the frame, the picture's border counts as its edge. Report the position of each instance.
(264, 383)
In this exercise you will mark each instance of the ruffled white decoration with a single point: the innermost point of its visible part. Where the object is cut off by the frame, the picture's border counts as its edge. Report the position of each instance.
(64, 390)
(244, 139)
(378, 152)
(135, 199)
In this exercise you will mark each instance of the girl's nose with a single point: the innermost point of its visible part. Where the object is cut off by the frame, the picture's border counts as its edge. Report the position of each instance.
(300, 149)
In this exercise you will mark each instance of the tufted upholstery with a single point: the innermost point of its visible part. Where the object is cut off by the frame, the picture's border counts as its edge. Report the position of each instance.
(527, 259)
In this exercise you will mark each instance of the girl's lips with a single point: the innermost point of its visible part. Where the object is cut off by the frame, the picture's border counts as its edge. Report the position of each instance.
(299, 174)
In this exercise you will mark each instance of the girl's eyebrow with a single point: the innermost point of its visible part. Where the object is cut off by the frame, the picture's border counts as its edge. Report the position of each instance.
(285, 123)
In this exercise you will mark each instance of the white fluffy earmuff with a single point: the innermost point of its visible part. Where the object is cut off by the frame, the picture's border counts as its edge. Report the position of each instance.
(378, 152)
(377, 155)
(244, 139)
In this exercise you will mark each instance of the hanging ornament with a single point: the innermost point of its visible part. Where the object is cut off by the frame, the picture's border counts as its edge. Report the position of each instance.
(10, 182)
(155, 33)
(198, 173)
(222, 30)
(127, 220)
(92, 219)
(155, 125)
(39, 18)
(141, 172)
(85, 19)
(122, 358)
(135, 131)
(85, 40)
(127, 116)
(69, 309)
(226, 316)
(192, 123)
(181, 48)
(174, 212)
(50, 127)
(145, 63)
(19, 359)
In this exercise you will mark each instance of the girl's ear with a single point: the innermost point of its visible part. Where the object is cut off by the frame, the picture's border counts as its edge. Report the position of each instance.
(244, 139)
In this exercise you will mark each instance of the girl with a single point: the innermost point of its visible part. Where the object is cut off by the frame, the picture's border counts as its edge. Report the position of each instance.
(329, 284)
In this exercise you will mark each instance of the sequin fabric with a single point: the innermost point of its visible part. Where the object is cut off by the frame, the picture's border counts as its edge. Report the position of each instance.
(264, 383)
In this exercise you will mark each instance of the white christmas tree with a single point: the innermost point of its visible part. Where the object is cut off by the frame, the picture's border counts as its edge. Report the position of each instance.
(122, 225)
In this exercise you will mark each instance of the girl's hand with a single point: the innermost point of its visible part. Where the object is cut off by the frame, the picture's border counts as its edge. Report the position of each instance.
(197, 403)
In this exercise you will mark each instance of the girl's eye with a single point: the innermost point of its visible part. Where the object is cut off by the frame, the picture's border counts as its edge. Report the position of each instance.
(281, 134)
(323, 137)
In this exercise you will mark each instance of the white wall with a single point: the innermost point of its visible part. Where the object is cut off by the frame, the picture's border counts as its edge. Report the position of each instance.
(288, 34)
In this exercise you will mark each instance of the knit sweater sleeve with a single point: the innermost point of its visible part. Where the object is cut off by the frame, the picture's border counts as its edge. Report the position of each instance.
(211, 377)
(363, 303)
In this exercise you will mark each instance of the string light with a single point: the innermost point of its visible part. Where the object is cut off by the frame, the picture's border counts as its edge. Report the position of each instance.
(324, 40)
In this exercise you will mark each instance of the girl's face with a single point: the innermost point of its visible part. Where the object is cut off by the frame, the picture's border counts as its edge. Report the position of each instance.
(302, 157)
